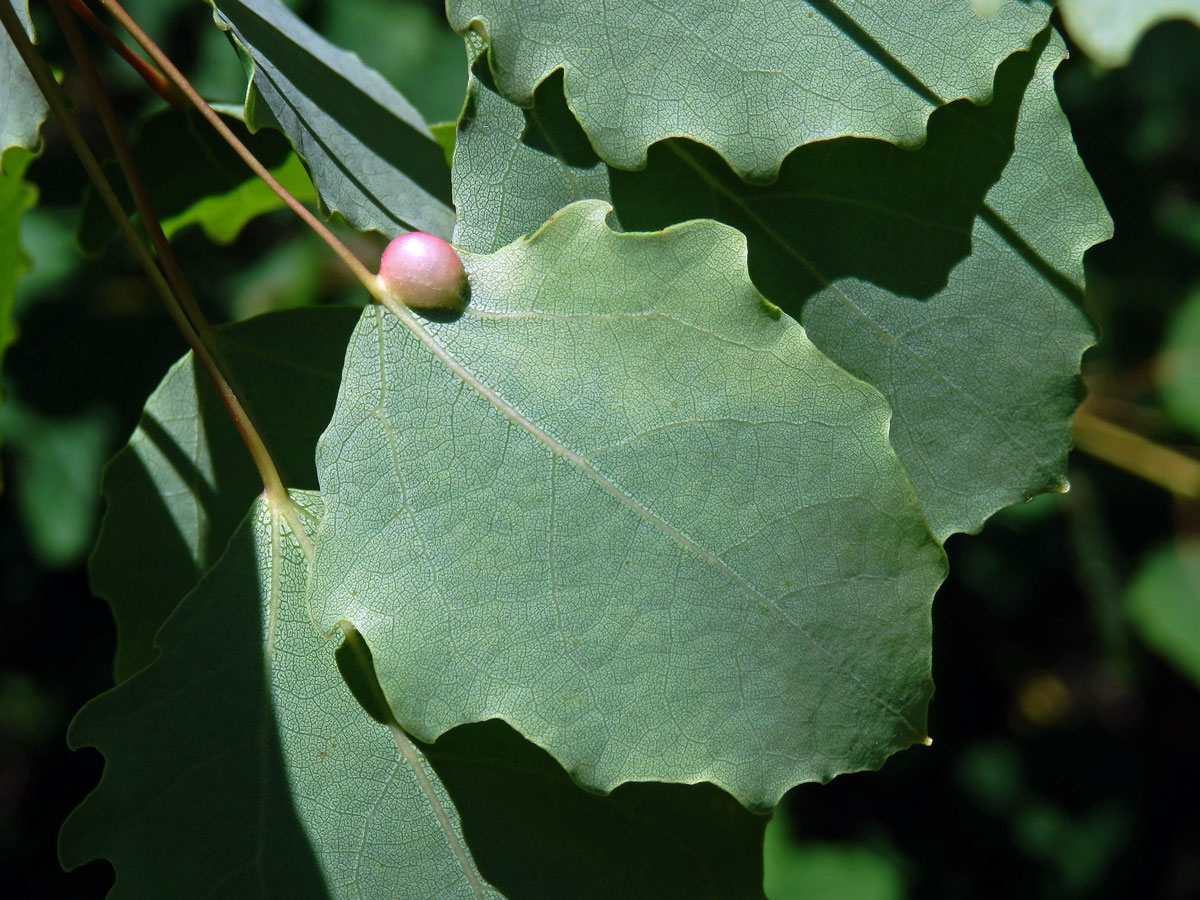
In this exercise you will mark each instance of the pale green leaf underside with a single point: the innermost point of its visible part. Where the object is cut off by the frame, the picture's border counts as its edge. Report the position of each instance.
(625, 507)
(753, 79)
(946, 276)
(513, 168)
(22, 106)
(1108, 30)
(984, 376)
(371, 155)
(302, 795)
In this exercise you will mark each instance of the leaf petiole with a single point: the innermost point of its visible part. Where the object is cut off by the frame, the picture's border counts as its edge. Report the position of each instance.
(149, 74)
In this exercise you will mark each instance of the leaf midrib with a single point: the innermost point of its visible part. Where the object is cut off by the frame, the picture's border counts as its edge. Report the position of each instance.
(560, 449)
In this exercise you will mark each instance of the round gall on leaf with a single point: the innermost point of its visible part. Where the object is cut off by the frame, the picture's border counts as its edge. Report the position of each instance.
(423, 272)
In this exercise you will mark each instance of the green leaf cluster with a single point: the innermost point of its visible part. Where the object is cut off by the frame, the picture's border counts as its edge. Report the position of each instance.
(767, 300)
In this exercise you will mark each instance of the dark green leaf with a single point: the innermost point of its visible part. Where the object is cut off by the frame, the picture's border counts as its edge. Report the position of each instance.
(371, 155)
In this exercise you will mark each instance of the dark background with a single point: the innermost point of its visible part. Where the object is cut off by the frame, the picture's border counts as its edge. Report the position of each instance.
(1065, 750)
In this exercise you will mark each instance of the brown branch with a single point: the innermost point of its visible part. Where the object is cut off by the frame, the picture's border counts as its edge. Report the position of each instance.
(1140, 456)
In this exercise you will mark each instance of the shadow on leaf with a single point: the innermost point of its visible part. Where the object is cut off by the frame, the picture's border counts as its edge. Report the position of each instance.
(848, 207)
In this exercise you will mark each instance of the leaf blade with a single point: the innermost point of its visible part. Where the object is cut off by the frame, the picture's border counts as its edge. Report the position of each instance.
(638, 73)
(576, 478)
(308, 769)
(988, 220)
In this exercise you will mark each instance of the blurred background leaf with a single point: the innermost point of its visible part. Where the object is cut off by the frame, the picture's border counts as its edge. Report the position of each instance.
(1179, 365)
(830, 871)
(1108, 30)
(194, 177)
(1163, 602)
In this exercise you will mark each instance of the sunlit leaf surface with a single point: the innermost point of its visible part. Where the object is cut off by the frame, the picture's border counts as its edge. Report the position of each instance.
(625, 505)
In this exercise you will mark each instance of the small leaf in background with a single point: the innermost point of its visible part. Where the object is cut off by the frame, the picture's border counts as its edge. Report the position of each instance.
(1163, 602)
(16, 196)
(55, 477)
(1179, 370)
(805, 871)
(752, 80)
(625, 505)
(1108, 30)
(23, 108)
(192, 175)
(177, 490)
(371, 155)
(223, 216)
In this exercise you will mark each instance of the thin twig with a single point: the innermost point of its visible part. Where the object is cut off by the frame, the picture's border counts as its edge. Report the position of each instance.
(177, 78)
(272, 484)
(158, 83)
(1137, 455)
